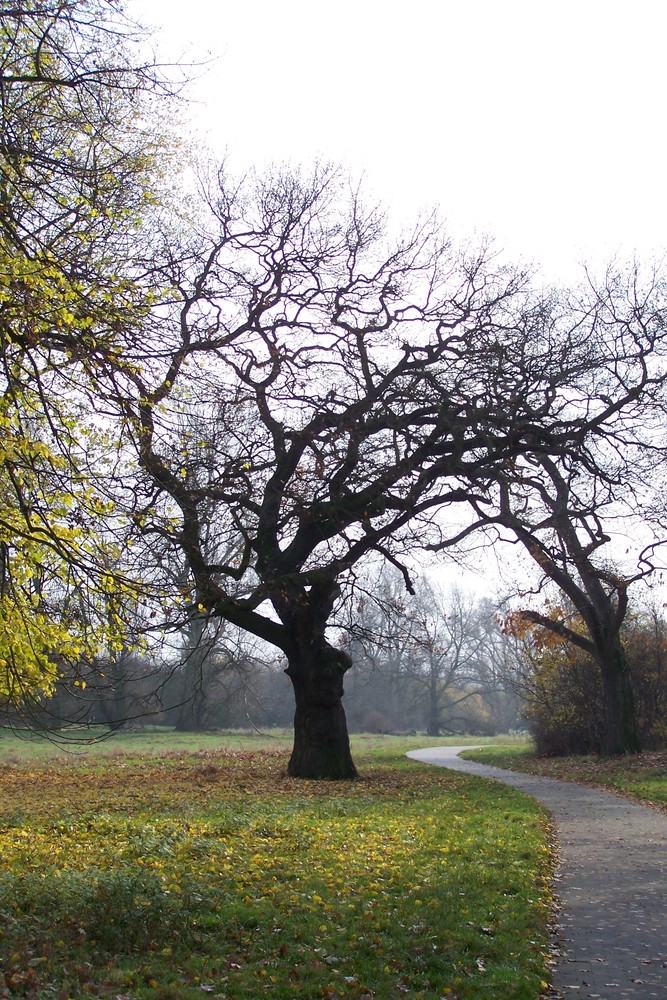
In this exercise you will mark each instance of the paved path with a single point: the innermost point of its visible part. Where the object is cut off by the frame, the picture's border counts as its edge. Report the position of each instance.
(612, 887)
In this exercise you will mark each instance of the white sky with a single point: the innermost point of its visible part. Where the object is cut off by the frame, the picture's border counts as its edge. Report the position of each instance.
(539, 123)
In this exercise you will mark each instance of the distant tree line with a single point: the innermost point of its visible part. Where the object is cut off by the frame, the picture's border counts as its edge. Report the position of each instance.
(436, 662)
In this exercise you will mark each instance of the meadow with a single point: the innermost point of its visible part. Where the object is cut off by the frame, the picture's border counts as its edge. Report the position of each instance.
(76, 741)
(131, 871)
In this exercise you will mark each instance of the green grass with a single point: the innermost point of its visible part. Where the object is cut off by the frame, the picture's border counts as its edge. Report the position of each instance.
(640, 776)
(175, 874)
(88, 741)
(161, 739)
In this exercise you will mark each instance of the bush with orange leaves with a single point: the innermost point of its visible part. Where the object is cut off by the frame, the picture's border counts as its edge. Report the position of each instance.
(562, 688)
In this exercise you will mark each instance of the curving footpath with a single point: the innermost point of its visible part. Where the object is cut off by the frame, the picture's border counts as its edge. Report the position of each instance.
(611, 937)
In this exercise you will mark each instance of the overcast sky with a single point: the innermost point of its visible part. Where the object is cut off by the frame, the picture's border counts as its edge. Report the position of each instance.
(539, 123)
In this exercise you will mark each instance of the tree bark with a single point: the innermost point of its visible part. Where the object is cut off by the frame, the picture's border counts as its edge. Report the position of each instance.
(321, 742)
(433, 728)
(621, 731)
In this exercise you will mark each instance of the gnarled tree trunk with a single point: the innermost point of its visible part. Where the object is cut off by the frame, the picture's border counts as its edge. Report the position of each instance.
(321, 742)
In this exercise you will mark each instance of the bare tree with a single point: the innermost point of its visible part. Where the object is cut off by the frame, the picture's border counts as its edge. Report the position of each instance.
(435, 636)
(566, 507)
(499, 667)
(439, 649)
(330, 369)
(356, 394)
(217, 669)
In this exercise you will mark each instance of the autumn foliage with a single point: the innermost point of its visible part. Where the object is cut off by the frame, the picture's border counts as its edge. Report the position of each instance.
(562, 687)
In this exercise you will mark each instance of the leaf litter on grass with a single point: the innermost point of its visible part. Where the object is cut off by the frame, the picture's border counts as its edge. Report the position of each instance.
(215, 873)
(641, 776)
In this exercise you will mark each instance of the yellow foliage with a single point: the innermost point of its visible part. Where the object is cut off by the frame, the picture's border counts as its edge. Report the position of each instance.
(42, 558)
(76, 180)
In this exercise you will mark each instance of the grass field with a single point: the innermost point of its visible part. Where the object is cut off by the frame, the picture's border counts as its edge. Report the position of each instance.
(172, 874)
(159, 739)
(641, 776)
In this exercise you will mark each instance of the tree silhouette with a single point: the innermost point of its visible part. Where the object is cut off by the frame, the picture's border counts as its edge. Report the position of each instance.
(347, 396)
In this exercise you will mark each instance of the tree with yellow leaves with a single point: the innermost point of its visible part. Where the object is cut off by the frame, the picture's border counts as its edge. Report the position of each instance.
(78, 180)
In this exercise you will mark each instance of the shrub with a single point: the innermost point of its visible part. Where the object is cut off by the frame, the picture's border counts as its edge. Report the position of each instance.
(564, 710)
(563, 690)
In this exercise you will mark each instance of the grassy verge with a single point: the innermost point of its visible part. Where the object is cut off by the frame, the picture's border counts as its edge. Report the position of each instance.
(186, 873)
(641, 776)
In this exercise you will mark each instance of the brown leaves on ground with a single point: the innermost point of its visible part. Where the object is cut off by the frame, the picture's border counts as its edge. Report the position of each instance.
(174, 781)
